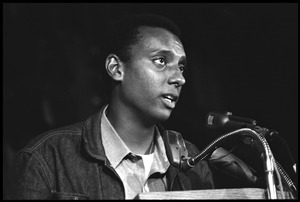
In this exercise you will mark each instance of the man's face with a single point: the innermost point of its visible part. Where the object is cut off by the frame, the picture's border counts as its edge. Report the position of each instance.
(153, 76)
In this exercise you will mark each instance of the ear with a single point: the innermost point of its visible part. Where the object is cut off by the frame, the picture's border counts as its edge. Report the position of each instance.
(114, 67)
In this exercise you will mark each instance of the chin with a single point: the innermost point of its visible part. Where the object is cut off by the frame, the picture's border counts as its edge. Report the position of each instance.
(162, 116)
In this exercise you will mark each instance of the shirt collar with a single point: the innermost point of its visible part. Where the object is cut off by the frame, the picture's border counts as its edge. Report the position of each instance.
(116, 149)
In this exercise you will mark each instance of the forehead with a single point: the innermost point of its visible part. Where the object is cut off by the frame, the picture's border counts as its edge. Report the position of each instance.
(159, 38)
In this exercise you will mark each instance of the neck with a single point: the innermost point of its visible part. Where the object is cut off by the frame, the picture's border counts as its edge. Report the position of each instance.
(137, 135)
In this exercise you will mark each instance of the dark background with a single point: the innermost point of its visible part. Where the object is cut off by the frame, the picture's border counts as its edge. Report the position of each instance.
(242, 58)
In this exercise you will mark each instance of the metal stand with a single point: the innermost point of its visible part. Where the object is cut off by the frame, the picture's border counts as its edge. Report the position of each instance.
(267, 156)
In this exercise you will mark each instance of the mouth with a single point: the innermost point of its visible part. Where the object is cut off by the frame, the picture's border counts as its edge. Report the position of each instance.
(170, 100)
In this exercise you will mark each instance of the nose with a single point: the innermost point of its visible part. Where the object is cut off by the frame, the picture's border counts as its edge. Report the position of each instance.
(177, 78)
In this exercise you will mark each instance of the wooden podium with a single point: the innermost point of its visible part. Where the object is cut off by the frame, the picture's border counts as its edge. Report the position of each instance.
(240, 193)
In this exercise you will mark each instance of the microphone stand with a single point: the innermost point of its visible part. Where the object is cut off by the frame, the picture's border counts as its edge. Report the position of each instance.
(267, 156)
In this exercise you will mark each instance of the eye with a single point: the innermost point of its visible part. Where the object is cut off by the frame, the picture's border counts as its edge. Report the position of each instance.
(182, 68)
(160, 61)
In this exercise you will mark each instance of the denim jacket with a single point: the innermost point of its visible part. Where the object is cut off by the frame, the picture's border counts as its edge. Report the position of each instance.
(70, 163)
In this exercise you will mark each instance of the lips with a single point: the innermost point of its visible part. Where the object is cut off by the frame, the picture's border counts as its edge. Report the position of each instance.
(170, 97)
(170, 100)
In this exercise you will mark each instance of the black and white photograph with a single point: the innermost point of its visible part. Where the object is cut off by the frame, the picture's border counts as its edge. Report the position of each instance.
(150, 101)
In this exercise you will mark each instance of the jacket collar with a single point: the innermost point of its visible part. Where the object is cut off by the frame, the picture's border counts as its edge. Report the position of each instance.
(92, 136)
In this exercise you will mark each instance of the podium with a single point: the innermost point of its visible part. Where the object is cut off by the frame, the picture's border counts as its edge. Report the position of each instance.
(240, 193)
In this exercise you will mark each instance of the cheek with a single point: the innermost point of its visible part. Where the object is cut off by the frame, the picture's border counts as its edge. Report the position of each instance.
(143, 79)
(151, 82)
(143, 82)
(148, 80)
(143, 89)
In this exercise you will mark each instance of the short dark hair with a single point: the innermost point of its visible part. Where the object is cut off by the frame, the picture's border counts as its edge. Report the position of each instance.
(123, 33)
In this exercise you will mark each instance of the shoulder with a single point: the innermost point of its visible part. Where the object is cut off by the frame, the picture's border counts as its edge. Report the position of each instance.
(60, 137)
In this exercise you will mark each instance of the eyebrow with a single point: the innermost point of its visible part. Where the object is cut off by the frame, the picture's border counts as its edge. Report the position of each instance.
(182, 59)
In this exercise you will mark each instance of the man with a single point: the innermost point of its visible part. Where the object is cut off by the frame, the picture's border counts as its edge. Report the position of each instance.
(121, 151)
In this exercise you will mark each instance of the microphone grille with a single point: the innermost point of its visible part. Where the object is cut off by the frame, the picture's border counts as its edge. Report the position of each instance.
(209, 119)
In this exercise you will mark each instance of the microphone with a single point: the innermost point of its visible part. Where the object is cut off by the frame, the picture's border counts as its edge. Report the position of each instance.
(227, 120)
(218, 120)
(221, 158)
(226, 162)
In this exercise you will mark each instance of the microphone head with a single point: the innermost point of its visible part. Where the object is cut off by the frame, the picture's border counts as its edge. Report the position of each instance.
(225, 120)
